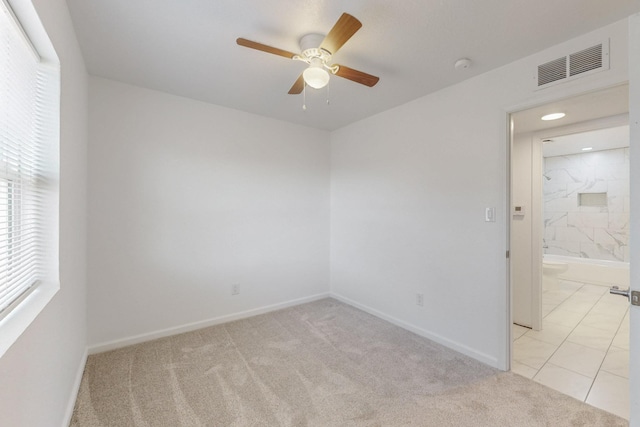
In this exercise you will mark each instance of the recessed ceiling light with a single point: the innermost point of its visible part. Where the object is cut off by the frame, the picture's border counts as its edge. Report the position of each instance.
(553, 116)
(587, 149)
(546, 141)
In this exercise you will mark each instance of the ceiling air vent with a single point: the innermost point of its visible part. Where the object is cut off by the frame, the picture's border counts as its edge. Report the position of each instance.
(585, 60)
(552, 71)
(577, 64)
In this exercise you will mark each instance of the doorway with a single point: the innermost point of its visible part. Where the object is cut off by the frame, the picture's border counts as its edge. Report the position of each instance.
(570, 333)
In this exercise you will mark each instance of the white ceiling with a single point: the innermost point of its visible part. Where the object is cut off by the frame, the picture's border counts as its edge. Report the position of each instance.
(188, 48)
(598, 140)
(590, 106)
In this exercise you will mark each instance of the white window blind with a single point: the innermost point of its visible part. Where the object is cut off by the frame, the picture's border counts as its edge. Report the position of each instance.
(29, 88)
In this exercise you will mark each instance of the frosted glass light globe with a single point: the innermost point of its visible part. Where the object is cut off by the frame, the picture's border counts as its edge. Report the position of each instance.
(316, 76)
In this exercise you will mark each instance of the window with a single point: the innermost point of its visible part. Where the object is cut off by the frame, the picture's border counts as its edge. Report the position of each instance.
(29, 140)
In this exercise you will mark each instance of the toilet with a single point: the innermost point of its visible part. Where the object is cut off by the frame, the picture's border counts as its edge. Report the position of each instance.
(550, 272)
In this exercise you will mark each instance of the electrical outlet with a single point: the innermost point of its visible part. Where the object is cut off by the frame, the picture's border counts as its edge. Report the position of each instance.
(420, 299)
(235, 289)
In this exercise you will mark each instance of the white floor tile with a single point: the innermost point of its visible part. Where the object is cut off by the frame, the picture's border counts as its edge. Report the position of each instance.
(593, 290)
(547, 308)
(577, 306)
(614, 300)
(551, 333)
(592, 298)
(621, 340)
(584, 345)
(569, 286)
(610, 309)
(553, 297)
(524, 370)
(602, 321)
(624, 325)
(564, 380)
(610, 393)
(517, 331)
(532, 353)
(591, 337)
(578, 358)
(564, 317)
(617, 362)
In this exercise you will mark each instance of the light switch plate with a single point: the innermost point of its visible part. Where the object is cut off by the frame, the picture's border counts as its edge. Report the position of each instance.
(490, 214)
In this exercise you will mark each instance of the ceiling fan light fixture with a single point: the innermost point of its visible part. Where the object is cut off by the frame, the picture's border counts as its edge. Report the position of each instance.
(316, 76)
(317, 51)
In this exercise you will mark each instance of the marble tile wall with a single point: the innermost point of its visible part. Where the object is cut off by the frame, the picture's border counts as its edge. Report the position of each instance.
(596, 232)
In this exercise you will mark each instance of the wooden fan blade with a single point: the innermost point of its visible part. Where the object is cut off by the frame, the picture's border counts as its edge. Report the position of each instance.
(342, 31)
(264, 48)
(297, 87)
(357, 76)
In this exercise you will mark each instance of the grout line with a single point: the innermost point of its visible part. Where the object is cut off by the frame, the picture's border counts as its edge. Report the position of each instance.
(573, 329)
(606, 354)
(563, 341)
(614, 374)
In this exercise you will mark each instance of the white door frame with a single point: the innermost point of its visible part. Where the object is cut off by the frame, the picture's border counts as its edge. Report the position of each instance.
(634, 219)
(525, 180)
(536, 189)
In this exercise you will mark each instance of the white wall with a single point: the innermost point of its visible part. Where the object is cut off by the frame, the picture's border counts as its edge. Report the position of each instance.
(409, 190)
(592, 232)
(188, 198)
(40, 372)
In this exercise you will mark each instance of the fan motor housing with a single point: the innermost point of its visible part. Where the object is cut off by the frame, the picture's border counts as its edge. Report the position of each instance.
(310, 41)
(310, 48)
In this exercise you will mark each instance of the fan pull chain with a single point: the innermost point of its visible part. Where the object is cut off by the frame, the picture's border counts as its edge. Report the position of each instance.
(328, 84)
(304, 97)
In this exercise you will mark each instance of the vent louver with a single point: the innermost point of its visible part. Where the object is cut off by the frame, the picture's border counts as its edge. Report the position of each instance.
(552, 71)
(577, 64)
(585, 60)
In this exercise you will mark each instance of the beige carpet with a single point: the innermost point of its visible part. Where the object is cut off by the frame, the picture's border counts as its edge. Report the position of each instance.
(318, 364)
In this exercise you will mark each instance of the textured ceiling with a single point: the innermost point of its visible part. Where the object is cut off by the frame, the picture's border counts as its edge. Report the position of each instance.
(188, 47)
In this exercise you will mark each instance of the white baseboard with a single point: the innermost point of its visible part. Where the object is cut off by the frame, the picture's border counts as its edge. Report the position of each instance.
(454, 345)
(136, 339)
(76, 388)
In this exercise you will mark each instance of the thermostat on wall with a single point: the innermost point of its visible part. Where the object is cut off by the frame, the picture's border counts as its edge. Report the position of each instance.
(518, 210)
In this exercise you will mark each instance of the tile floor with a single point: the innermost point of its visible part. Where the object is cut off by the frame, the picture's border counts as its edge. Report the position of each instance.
(583, 348)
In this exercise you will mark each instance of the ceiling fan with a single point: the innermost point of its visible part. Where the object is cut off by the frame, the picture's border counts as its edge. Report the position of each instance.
(317, 50)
